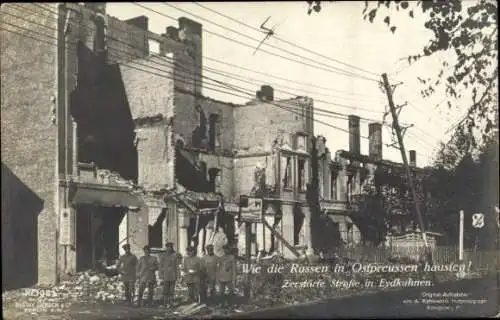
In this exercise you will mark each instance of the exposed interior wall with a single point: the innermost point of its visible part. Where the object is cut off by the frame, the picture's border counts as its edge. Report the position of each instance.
(193, 126)
(244, 171)
(28, 89)
(152, 114)
(97, 235)
(223, 179)
(257, 134)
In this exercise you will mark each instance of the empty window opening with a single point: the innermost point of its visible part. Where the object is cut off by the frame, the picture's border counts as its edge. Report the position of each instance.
(213, 133)
(154, 46)
(213, 174)
(203, 169)
(156, 228)
(287, 172)
(333, 185)
(302, 175)
(298, 222)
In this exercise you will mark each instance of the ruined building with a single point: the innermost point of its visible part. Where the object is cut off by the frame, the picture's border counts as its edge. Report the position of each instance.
(105, 133)
(348, 177)
(107, 139)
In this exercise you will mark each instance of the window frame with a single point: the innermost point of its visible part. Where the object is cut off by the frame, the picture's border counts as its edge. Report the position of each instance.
(287, 172)
(302, 181)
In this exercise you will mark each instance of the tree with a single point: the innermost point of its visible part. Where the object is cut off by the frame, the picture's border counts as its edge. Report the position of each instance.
(472, 186)
(469, 30)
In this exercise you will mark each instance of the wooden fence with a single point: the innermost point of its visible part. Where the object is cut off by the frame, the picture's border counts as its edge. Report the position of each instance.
(480, 260)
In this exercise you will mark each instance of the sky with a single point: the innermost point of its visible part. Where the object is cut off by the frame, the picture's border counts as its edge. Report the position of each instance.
(336, 39)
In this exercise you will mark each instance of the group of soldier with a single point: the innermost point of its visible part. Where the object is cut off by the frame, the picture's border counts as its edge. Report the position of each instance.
(201, 275)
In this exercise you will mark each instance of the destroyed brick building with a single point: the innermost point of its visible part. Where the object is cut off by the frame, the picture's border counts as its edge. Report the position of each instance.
(108, 131)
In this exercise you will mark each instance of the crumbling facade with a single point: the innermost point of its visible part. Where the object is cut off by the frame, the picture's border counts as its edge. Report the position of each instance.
(113, 138)
(122, 146)
(349, 176)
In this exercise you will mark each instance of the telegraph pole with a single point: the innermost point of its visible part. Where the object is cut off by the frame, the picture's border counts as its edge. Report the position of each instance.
(409, 175)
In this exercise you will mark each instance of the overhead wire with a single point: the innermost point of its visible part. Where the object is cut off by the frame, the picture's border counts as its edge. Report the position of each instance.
(286, 41)
(283, 107)
(318, 111)
(332, 69)
(293, 94)
(254, 39)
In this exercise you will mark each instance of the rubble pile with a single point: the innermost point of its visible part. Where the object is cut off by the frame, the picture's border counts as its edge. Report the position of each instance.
(97, 287)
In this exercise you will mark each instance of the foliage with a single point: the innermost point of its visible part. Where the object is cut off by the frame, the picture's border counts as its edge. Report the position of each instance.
(470, 185)
(467, 28)
(387, 205)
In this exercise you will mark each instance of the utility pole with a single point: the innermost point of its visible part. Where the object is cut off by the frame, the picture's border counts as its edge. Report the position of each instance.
(409, 175)
(461, 235)
(313, 199)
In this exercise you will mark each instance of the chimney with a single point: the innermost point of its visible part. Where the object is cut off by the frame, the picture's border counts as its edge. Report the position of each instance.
(354, 143)
(173, 33)
(375, 141)
(140, 22)
(190, 32)
(413, 158)
(267, 93)
(258, 95)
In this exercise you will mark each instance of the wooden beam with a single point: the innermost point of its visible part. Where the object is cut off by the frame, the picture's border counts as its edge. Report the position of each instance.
(277, 235)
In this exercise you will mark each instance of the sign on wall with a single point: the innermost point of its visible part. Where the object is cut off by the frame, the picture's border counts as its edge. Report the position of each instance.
(251, 209)
(478, 220)
(66, 236)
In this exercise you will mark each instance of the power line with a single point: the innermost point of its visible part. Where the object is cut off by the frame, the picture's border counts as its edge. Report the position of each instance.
(286, 41)
(271, 53)
(282, 78)
(283, 107)
(326, 102)
(218, 61)
(254, 39)
(317, 110)
(234, 76)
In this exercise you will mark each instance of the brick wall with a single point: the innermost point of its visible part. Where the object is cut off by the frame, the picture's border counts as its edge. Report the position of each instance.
(244, 169)
(149, 92)
(150, 97)
(225, 164)
(187, 118)
(28, 145)
(256, 133)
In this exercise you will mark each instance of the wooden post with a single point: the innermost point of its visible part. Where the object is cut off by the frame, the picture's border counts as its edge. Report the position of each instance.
(277, 235)
(461, 237)
(409, 175)
(248, 239)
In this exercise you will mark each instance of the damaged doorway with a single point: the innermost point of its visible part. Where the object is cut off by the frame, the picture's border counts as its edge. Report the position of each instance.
(97, 236)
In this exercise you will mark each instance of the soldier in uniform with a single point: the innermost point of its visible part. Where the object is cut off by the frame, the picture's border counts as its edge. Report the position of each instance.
(146, 269)
(127, 265)
(226, 273)
(192, 268)
(209, 274)
(169, 262)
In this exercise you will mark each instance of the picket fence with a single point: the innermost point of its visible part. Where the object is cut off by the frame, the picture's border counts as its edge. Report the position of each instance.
(480, 260)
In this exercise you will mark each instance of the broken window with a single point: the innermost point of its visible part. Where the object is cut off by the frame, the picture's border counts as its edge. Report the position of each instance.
(203, 168)
(154, 46)
(100, 34)
(286, 165)
(302, 175)
(333, 185)
(200, 132)
(213, 133)
(157, 218)
(298, 230)
(301, 142)
(213, 174)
